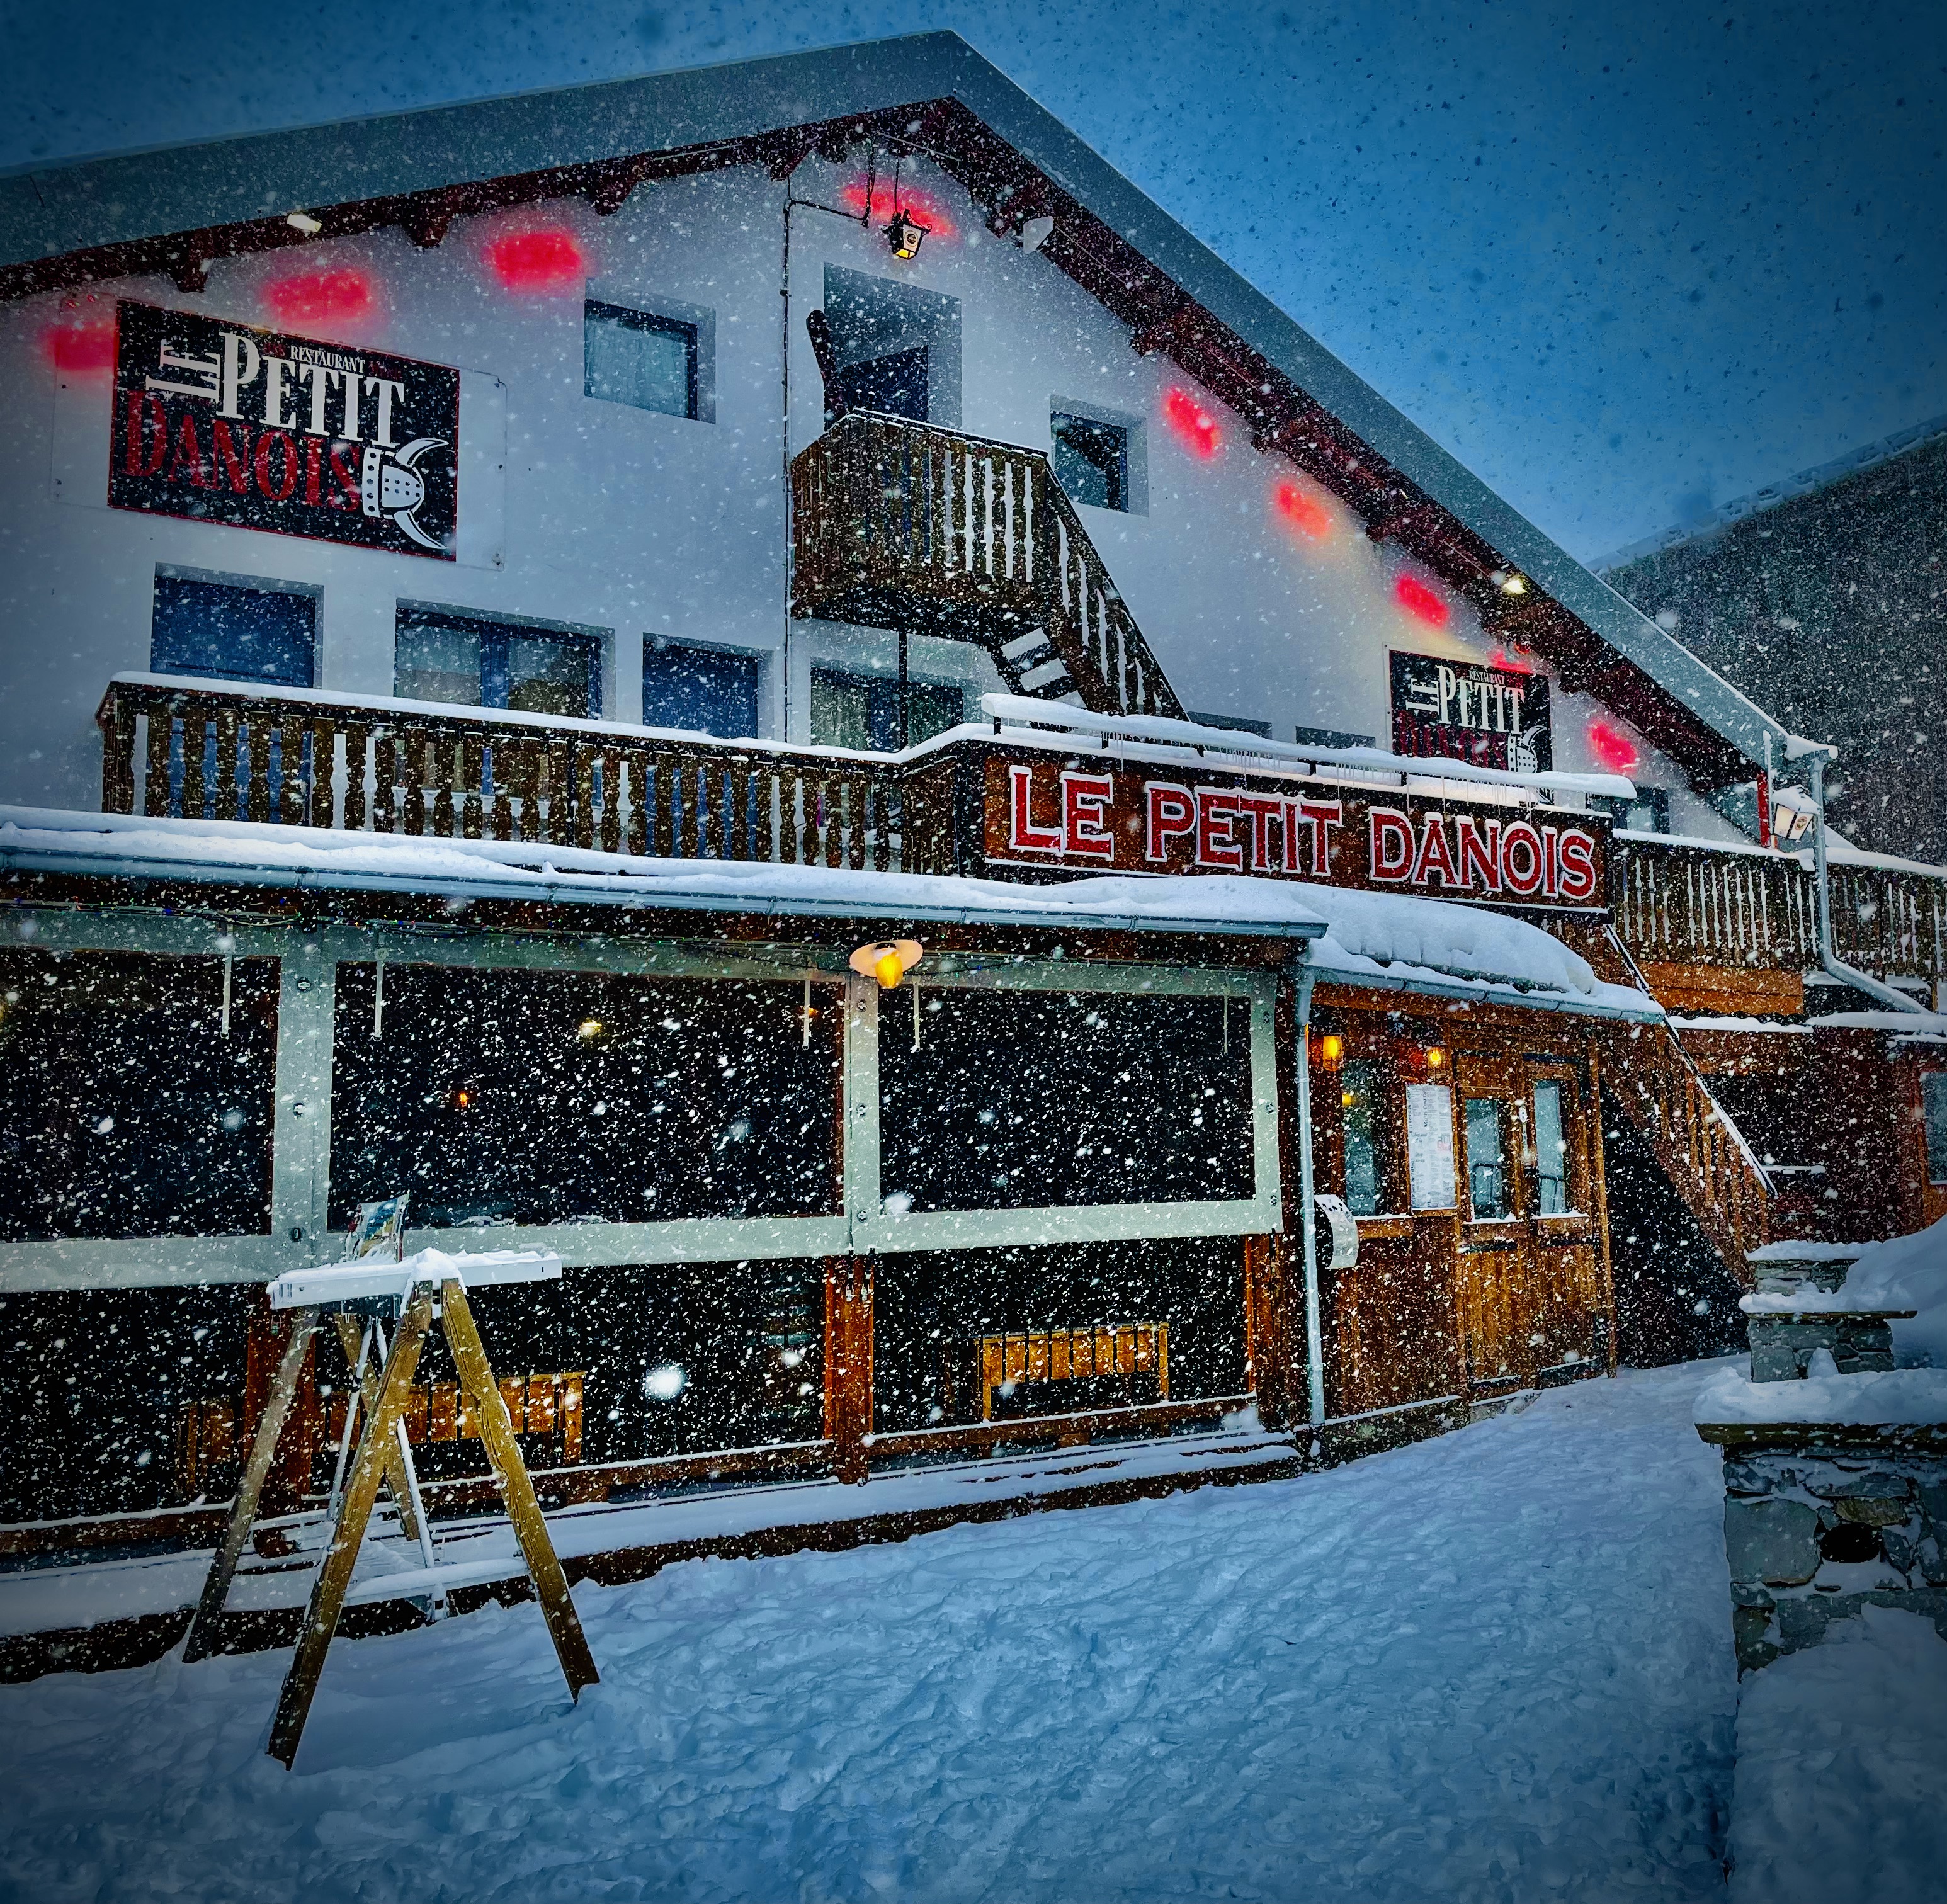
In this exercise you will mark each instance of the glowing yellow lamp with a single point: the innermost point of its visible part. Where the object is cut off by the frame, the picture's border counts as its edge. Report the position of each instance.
(1435, 1057)
(1331, 1051)
(888, 961)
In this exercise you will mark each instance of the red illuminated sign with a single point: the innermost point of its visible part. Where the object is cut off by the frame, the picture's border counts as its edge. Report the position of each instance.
(1054, 814)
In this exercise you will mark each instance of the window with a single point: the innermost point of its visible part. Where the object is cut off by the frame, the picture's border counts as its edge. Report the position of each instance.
(225, 631)
(863, 710)
(639, 358)
(1359, 1087)
(1551, 1151)
(1330, 736)
(1091, 459)
(1648, 813)
(701, 690)
(1933, 1107)
(895, 348)
(894, 385)
(1487, 1160)
(447, 657)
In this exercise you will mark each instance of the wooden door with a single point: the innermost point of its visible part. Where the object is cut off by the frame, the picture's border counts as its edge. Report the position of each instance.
(1528, 1285)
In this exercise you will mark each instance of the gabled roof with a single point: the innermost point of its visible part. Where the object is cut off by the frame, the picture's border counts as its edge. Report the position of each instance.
(173, 209)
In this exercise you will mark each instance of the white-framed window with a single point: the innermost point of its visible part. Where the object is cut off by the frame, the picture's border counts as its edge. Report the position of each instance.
(650, 354)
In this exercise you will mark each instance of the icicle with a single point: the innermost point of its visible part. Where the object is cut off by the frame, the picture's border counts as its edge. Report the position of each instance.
(805, 1016)
(229, 966)
(915, 992)
(1227, 1019)
(378, 997)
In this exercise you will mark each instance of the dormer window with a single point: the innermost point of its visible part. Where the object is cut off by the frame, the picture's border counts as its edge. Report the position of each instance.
(1091, 459)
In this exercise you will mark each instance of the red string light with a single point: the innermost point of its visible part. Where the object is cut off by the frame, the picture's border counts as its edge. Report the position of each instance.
(1304, 511)
(1615, 750)
(537, 262)
(80, 348)
(1413, 595)
(1513, 663)
(922, 205)
(334, 298)
(1192, 422)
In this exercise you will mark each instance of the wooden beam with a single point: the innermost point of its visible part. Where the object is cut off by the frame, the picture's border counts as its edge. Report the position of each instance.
(426, 219)
(848, 1362)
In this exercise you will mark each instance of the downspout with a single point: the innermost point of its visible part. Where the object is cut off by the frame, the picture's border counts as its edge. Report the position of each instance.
(1828, 956)
(1314, 1340)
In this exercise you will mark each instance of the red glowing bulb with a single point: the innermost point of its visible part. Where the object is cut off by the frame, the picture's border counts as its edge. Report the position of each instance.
(1413, 595)
(921, 205)
(1513, 663)
(537, 262)
(1192, 422)
(1615, 750)
(80, 346)
(332, 299)
(1304, 511)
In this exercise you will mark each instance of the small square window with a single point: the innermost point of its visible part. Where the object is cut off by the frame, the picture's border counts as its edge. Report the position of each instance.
(1648, 813)
(222, 631)
(699, 690)
(454, 659)
(1091, 459)
(639, 358)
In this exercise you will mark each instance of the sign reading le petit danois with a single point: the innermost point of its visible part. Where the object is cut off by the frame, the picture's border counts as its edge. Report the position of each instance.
(1060, 814)
(223, 423)
(1467, 710)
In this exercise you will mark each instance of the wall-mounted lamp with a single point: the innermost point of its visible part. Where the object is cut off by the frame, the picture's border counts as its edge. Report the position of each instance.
(1509, 581)
(1790, 822)
(889, 961)
(905, 234)
(1436, 1059)
(303, 221)
(1331, 1051)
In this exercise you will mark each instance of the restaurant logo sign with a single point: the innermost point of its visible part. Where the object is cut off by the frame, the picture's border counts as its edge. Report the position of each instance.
(220, 422)
(1465, 710)
(1059, 815)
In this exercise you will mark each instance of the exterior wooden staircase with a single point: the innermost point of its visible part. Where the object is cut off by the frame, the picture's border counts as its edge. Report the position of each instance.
(1695, 1140)
(907, 525)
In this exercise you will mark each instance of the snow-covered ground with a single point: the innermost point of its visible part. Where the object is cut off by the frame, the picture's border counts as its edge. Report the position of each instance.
(1494, 1666)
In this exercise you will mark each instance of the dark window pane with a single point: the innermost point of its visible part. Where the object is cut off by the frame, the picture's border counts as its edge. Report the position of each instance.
(894, 385)
(126, 1110)
(993, 1335)
(863, 710)
(1487, 1161)
(1933, 1101)
(223, 632)
(1551, 1151)
(553, 1097)
(1019, 1099)
(699, 690)
(1359, 1102)
(1091, 460)
(470, 663)
(636, 357)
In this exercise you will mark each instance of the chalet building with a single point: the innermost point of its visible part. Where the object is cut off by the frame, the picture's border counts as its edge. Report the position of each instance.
(767, 679)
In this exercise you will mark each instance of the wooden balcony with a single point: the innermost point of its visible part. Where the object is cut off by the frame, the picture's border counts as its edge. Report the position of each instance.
(197, 751)
(1680, 903)
(899, 524)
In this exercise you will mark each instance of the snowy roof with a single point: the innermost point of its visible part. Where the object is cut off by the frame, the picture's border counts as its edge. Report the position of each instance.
(1372, 938)
(46, 213)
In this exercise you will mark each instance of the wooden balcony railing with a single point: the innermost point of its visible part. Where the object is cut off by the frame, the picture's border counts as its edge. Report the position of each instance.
(1681, 903)
(200, 751)
(899, 524)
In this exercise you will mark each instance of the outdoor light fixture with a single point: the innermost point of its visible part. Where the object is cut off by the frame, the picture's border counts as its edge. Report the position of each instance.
(1513, 584)
(889, 961)
(1790, 822)
(589, 1028)
(303, 221)
(1331, 1051)
(905, 234)
(1436, 1057)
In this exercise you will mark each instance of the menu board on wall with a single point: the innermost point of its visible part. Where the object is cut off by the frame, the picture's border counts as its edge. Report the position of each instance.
(1430, 1145)
(221, 422)
(1466, 710)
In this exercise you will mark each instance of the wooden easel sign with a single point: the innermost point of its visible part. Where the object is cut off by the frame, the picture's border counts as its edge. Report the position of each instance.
(427, 1288)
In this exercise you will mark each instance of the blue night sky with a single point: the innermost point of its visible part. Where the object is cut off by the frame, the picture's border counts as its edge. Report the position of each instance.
(1626, 262)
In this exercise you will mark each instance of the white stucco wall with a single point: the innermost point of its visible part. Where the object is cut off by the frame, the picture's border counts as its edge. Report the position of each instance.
(641, 524)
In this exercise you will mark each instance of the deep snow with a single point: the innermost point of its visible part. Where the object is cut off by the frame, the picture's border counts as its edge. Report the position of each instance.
(1494, 1666)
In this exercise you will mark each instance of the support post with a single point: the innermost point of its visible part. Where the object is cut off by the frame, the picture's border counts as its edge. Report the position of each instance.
(848, 1362)
(1599, 1169)
(1314, 1333)
(250, 1486)
(496, 1433)
(334, 1576)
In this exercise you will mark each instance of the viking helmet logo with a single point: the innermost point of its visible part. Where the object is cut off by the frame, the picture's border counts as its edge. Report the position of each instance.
(391, 485)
